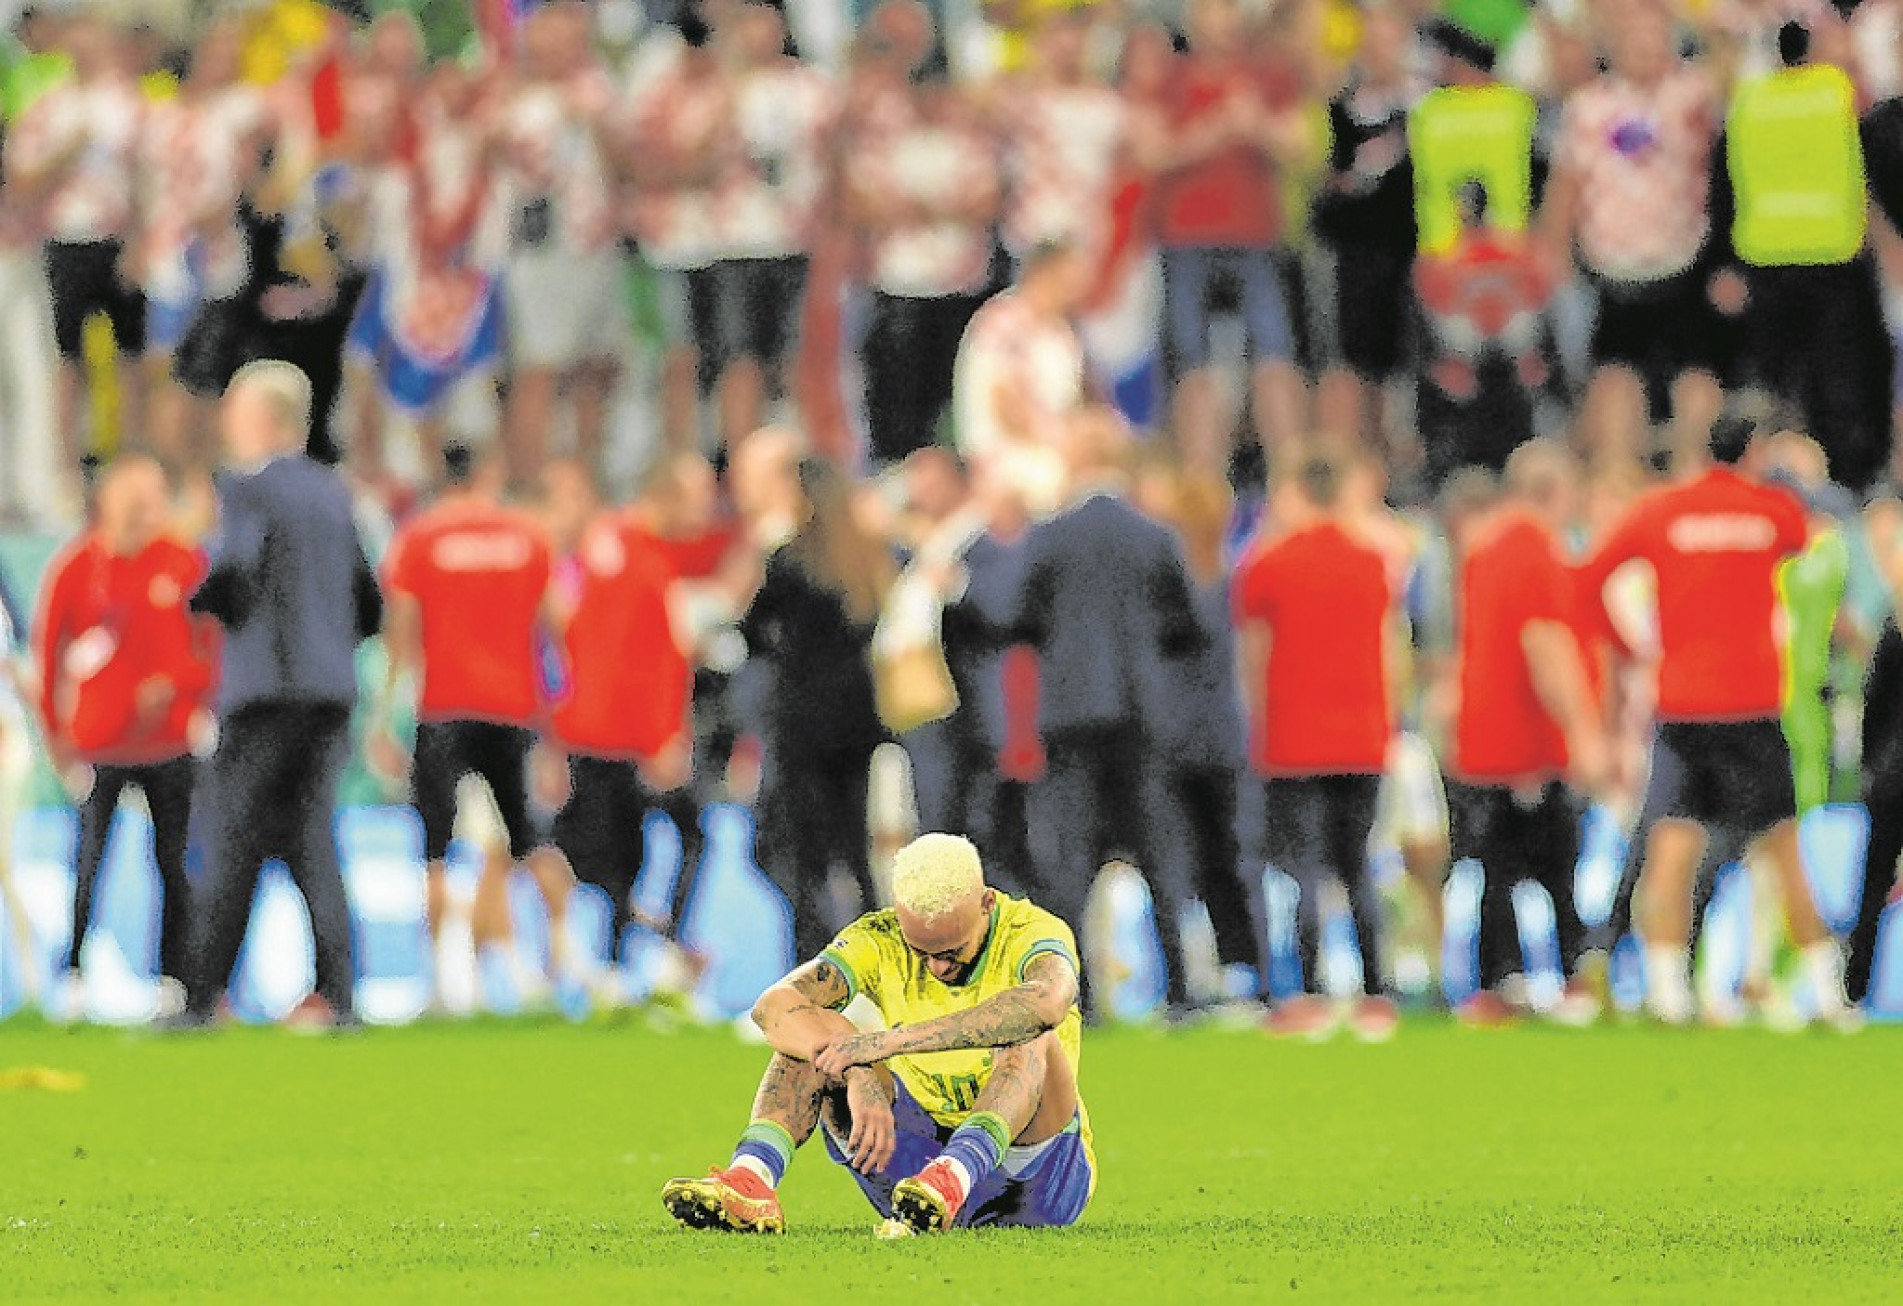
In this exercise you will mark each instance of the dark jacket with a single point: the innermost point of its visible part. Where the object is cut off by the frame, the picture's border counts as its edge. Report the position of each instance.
(291, 585)
(1106, 603)
(819, 664)
(974, 648)
(1195, 700)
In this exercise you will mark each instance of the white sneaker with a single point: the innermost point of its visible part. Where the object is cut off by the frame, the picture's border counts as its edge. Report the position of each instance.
(171, 997)
(66, 1002)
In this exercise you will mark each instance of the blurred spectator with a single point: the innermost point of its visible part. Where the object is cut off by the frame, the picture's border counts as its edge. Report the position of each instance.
(430, 317)
(766, 149)
(1365, 212)
(1235, 126)
(191, 248)
(16, 768)
(1526, 721)
(37, 482)
(1105, 598)
(1483, 301)
(72, 157)
(664, 141)
(467, 587)
(811, 624)
(1315, 608)
(1631, 194)
(925, 190)
(1719, 758)
(626, 739)
(289, 582)
(1198, 715)
(971, 571)
(1019, 376)
(125, 673)
(567, 313)
(1792, 209)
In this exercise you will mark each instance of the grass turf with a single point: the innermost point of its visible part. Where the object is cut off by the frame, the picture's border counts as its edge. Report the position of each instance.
(521, 1163)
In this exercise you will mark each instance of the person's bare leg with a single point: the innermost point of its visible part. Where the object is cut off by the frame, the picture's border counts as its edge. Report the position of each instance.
(1278, 402)
(740, 399)
(1697, 400)
(1780, 853)
(680, 398)
(367, 419)
(1343, 407)
(74, 439)
(130, 376)
(1425, 862)
(556, 880)
(591, 389)
(1201, 427)
(1613, 415)
(166, 436)
(490, 924)
(531, 413)
(1672, 854)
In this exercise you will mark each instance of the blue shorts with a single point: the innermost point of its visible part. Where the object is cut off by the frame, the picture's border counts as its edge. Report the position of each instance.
(1192, 275)
(1048, 1191)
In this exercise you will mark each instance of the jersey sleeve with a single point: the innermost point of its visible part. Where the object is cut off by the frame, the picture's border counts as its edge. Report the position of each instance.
(1041, 934)
(859, 955)
(1793, 524)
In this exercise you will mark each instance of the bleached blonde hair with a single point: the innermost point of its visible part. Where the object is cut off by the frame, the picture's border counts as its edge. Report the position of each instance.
(935, 873)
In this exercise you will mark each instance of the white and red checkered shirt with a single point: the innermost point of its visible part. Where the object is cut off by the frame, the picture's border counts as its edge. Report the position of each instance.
(1062, 145)
(770, 185)
(1642, 159)
(550, 153)
(95, 196)
(191, 156)
(932, 164)
(675, 115)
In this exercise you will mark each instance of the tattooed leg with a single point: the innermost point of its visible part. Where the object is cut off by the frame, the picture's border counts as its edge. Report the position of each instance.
(1032, 1088)
(790, 1095)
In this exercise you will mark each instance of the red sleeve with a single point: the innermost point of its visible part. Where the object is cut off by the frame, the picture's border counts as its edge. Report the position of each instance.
(399, 565)
(194, 677)
(49, 635)
(1793, 522)
(1630, 539)
(1547, 581)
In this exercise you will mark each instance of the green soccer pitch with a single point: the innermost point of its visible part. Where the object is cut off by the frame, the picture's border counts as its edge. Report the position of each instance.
(521, 1163)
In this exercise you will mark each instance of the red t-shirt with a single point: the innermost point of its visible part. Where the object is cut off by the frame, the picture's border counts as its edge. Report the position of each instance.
(630, 684)
(1511, 578)
(696, 557)
(1714, 543)
(478, 573)
(1233, 198)
(107, 624)
(1326, 599)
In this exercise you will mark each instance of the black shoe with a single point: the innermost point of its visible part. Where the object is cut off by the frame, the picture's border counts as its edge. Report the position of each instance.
(187, 1021)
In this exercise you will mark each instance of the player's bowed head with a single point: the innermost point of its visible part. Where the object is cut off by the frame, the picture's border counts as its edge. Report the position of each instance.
(942, 902)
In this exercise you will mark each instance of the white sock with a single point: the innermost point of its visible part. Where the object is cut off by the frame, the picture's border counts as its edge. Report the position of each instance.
(753, 1165)
(1667, 990)
(962, 1175)
(1825, 963)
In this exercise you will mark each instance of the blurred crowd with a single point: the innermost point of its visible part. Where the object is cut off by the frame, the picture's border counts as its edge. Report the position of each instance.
(1201, 439)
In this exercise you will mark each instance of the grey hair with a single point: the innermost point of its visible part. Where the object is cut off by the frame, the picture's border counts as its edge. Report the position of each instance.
(285, 389)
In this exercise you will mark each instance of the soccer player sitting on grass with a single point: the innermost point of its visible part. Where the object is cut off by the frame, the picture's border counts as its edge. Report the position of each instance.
(965, 1111)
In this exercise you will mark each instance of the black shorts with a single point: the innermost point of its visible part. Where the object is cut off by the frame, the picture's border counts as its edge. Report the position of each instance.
(84, 279)
(1734, 774)
(745, 309)
(599, 828)
(446, 751)
(1319, 825)
(1661, 329)
(1372, 288)
(1523, 836)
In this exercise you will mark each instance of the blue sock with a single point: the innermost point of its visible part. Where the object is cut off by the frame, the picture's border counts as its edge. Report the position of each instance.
(978, 1145)
(770, 1145)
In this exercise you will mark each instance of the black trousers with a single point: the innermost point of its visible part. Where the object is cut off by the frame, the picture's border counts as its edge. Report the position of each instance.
(601, 830)
(910, 352)
(1200, 833)
(1318, 829)
(812, 820)
(168, 793)
(274, 795)
(1517, 838)
(1105, 794)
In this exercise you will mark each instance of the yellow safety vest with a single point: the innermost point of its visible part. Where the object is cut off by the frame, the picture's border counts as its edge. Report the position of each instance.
(1796, 166)
(1459, 134)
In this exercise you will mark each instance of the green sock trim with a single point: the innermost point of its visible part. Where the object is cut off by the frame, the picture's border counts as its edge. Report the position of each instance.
(993, 1126)
(770, 1133)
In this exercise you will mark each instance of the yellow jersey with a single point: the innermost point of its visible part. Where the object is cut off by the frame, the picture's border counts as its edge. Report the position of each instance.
(875, 959)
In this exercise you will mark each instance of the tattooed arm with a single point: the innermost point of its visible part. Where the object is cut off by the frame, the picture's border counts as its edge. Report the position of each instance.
(1016, 1016)
(798, 1014)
